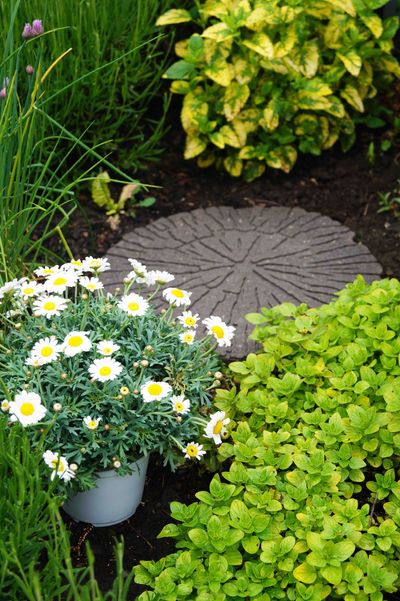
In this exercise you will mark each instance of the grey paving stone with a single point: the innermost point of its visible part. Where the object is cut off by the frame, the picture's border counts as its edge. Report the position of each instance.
(236, 261)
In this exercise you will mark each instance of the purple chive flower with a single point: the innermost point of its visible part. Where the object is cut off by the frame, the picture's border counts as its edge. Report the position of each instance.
(3, 93)
(27, 31)
(37, 27)
(29, 69)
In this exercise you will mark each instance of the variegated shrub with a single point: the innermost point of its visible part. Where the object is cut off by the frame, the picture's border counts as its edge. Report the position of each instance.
(266, 79)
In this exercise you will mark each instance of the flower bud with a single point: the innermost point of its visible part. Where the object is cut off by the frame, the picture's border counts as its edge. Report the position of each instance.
(149, 348)
(83, 449)
(18, 326)
(73, 467)
(117, 464)
(8, 352)
(144, 363)
(106, 427)
(178, 419)
(85, 296)
(136, 391)
(119, 397)
(25, 386)
(3, 93)
(136, 365)
(29, 69)
(117, 290)
(37, 27)
(218, 375)
(57, 406)
(29, 374)
(124, 390)
(64, 376)
(216, 384)
(27, 31)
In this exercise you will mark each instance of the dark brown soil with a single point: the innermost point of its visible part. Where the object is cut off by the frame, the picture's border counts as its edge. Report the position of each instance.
(342, 186)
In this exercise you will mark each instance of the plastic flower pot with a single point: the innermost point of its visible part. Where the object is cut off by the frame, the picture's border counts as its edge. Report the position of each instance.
(114, 499)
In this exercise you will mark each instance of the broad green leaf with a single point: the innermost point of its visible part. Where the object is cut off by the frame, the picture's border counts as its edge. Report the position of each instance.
(333, 574)
(175, 15)
(352, 61)
(345, 5)
(217, 139)
(180, 70)
(305, 573)
(343, 550)
(234, 166)
(261, 44)
(307, 58)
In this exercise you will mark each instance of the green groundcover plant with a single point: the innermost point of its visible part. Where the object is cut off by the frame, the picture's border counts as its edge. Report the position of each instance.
(263, 81)
(309, 508)
(105, 379)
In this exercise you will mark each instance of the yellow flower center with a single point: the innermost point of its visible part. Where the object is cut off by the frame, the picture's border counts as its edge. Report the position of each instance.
(188, 337)
(46, 351)
(190, 321)
(75, 341)
(48, 271)
(218, 427)
(91, 286)
(60, 281)
(27, 409)
(133, 306)
(179, 406)
(218, 331)
(58, 465)
(77, 263)
(154, 389)
(178, 293)
(192, 451)
(105, 370)
(107, 350)
(28, 291)
(49, 306)
(92, 424)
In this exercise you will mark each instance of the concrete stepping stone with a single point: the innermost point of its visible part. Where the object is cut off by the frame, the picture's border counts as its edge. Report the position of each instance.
(235, 261)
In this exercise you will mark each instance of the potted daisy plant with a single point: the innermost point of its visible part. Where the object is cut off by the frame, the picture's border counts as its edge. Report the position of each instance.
(100, 381)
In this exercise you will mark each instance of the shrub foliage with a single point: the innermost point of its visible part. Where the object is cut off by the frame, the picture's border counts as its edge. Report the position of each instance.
(265, 80)
(310, 505)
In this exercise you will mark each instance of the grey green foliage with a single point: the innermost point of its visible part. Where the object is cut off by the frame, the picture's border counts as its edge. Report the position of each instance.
(263, 81)
(310, 505)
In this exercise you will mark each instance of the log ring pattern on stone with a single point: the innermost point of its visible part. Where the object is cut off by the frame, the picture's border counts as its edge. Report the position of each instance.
(235, 261)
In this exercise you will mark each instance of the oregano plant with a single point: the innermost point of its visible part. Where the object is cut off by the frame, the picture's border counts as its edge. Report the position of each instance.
(307, 501)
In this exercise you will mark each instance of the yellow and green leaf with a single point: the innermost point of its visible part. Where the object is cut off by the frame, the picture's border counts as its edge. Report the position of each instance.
(352, 61)
(233, 165)
(220, 71)
(351, 95)
(173, 16)
(194, 146)
(261, 44)
(218, 32)
(235, 98)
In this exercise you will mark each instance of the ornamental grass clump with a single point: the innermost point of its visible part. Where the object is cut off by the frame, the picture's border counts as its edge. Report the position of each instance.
(309, 505)
(98, 380)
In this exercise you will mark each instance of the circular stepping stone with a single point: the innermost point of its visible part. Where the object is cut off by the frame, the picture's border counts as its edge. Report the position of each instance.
(235, 261)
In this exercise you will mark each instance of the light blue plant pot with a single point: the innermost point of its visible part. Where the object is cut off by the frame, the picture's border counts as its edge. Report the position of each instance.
(114, 499)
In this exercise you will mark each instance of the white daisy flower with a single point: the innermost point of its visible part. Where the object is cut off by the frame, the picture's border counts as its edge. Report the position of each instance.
(5, 405)
(76, 342)
(162, 277)
(43, 272)
(59, 465)
(216, 426)
(95, 265)
(138, 267)
(105, 369)
(27, 408)
(91, 284)
(188, 320)
(148, 278)
(49, 306)
(90, 423)
(33, 361)
(61, 280)
(134, 304)
(176, 296)
(45, 351)
(29, 289)
(188, 336)
(75, 264)
(107, 347)
(194, 450)
(154, 391)
(11, 286)
(180, 404)
(218, 328)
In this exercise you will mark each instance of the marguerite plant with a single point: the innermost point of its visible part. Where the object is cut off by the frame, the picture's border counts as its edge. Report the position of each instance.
(99, 380)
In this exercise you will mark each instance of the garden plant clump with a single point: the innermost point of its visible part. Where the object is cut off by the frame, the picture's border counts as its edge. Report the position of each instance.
(98, 380)
(310, 505)
(263, 81)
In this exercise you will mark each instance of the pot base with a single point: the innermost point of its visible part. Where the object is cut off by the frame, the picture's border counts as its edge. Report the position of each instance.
(114, 499)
